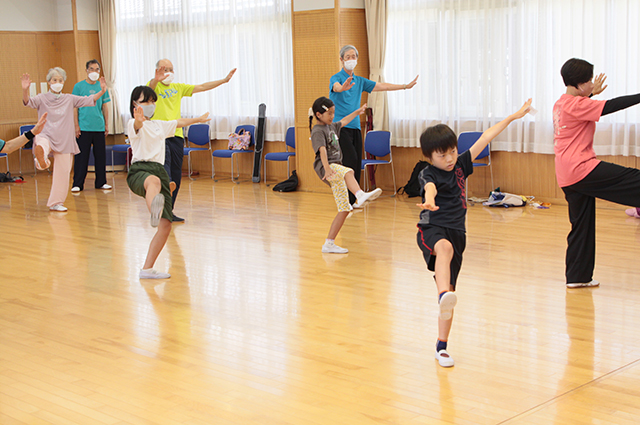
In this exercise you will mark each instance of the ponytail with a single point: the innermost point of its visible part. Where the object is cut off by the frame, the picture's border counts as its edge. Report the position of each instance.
(321, 105)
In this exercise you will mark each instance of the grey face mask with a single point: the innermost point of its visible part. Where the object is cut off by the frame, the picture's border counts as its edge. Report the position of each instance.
(148, 110)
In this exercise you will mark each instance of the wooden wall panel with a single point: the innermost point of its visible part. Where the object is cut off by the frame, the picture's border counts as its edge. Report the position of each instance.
(88, 48)
(315, 60)
(353, 30)
(68, 60)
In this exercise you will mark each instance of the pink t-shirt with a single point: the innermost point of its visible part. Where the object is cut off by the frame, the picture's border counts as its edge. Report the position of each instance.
(574, 124)
(60, 129)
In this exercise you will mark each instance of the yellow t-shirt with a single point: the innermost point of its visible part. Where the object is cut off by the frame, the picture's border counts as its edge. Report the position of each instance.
(169, 100)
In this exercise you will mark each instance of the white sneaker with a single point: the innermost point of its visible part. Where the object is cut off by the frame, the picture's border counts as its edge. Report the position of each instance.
(156, 209)
(153, 274)
(75, 189)
(58, 208)
(332, 248)
(447, 302)
(591, 284)
(367, 196)
(444, 358)
(106, 187)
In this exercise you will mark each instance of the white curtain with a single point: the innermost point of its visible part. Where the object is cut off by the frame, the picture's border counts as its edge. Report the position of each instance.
(376, 16)
(204, 40)
(479, 60)
(107, 38)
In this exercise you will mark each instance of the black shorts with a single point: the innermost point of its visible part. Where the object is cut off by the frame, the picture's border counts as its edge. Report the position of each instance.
(429, 235)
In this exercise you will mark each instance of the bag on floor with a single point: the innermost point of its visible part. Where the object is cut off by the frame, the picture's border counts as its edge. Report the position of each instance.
(289, 185)
(240, 141)
(506, 200)
(412, 188)
(8, 178)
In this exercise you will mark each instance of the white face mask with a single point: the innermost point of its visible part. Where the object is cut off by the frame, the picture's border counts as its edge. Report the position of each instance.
(93, 76)
(57, 87)
(350, 65)
(168, 78)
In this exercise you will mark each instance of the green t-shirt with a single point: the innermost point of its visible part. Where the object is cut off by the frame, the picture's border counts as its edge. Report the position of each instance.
(1, 145)
(91, 118)
(169, 99)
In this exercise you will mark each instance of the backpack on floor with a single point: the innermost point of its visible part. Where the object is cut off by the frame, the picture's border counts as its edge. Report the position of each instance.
(289, 185)
(412, 188)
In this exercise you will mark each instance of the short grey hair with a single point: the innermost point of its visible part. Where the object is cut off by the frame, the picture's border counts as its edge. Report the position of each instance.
(346, 48)
(56, 71)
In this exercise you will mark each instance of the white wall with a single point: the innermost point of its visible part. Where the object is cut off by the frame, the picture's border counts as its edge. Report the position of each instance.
(64, 15)
(300, 5)
(28, 15)
(87, 11)
(47, 15)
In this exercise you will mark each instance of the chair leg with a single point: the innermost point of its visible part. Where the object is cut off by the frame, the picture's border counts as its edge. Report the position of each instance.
(113, 164)
(213, 173)
(189, 163)
(20, 159)
(393, 173)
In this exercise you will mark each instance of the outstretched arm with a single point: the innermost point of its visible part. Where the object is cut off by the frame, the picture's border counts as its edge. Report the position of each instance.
(183, 122)
(20, 141)
(620, 103)
(392, 87)
(346, 120)
(213, 84)
(493, 131)
(430, 193)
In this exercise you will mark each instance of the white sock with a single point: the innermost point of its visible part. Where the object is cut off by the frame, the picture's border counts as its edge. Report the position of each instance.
(329, 241)
(359, 194)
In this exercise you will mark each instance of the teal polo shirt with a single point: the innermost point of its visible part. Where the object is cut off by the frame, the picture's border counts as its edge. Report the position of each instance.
(348, 101)
(91, 118)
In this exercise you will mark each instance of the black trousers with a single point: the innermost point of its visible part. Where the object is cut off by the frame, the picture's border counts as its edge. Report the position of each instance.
(607, 181)
(351, 146)
(173, 157)
(81, 163)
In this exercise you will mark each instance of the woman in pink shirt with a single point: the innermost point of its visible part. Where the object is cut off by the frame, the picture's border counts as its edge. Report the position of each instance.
(581, 176)
(58, 136)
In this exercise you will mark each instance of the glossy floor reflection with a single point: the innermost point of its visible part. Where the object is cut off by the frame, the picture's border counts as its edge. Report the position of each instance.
(257, 326)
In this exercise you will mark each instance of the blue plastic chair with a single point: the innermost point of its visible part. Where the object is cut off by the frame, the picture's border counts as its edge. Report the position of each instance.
(230, 153)
(24, 129)
(466, 139)
(198, 134)
(119, 149)
(290, 142)
(378, 144)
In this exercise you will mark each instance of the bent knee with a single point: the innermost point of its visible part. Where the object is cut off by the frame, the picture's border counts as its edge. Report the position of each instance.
(443, 248)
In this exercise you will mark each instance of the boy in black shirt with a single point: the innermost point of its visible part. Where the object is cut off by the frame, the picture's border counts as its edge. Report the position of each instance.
(441, 229)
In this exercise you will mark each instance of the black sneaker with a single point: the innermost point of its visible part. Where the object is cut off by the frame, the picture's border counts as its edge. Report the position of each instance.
(177, 219)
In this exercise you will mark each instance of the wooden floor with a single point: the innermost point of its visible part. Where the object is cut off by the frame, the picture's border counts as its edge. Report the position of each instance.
(257, 326)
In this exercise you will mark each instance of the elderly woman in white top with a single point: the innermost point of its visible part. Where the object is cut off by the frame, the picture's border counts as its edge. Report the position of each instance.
(58, 136)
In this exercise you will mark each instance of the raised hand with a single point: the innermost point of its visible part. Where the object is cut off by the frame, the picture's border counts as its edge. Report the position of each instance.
(40, 124)
(524, 110)
(160, 74)
(103, 84)
(204, 118)
(138, 114)
(362, 109)
(348, 83)
(26, 81)
(413, 83)
(229, 75)
(597, 84)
